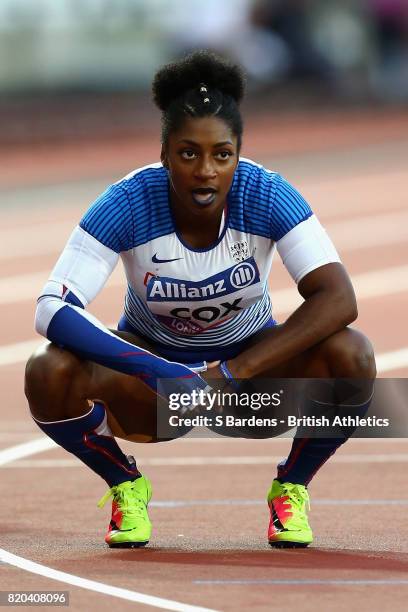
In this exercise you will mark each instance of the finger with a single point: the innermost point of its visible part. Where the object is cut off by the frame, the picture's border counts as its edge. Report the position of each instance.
(213, 364)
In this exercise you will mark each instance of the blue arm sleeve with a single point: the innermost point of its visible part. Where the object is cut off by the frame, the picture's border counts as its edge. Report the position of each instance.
(73, 329)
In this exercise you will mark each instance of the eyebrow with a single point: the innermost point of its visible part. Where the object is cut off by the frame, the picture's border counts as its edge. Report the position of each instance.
(196, 144)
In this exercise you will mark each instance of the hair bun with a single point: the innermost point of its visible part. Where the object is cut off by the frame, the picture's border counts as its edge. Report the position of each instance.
(173, 80)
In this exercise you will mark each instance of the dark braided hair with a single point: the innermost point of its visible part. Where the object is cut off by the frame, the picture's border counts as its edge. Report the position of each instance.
(200, 85)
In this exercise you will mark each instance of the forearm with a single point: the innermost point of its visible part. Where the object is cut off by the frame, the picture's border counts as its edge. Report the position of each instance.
(320, 315)
(79, 275)
(74, 329)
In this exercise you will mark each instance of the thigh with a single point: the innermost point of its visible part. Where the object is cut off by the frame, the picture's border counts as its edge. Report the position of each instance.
(130, 404)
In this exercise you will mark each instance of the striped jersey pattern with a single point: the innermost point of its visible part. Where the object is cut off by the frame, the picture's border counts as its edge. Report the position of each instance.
(133, 217)
(244, 325)
(136, 209)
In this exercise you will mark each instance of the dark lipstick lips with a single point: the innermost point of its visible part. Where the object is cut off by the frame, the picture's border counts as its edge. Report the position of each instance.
(204, 196)
(204, 190)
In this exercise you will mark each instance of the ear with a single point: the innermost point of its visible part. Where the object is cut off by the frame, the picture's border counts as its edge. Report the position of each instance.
(163, 157)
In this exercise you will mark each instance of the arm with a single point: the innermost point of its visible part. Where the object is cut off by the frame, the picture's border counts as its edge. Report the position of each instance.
(311, 259)
(329, 306)
(79, 275)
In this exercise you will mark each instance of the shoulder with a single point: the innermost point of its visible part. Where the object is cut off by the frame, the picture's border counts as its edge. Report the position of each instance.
(143, 185)
(125, 213)
(251, 197)
(152, 175)
(289, 209)
(270, 205)
(256, 185)
(147, 193)
(250, 174)
(269, 183)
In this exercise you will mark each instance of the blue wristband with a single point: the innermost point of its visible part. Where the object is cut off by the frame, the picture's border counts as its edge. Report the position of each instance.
(225, 371)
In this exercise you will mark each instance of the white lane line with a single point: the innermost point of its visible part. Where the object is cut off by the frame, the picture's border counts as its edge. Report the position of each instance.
(393, 360)
(21, 287)
(375, 283)
(19, 352)
(391, 582)
(98, 587)
(347, 235)
(40, 445)
(369, 231)
(283, 439)
(268, 459)
(24, 287)
(368, 285)
(258, 502)
(36, 239)
(8, 435)
(34, 446)
(191, 438)
(26, 449)
(199, 461)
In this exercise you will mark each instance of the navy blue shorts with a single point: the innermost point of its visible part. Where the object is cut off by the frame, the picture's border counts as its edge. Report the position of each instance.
(192, 356)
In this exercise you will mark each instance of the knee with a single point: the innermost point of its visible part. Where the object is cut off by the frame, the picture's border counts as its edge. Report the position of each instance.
(350, 355)
(48, 380)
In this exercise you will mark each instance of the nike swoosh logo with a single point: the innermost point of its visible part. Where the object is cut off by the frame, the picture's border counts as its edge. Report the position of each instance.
(276, 522)
(155, 259)
(115, 529)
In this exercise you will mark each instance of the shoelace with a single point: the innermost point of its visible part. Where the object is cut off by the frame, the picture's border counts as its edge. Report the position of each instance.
(297, 495)
(126, 499)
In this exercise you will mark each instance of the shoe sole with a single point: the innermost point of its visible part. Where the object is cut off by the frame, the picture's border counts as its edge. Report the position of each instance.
(128, 544)
(280, 544)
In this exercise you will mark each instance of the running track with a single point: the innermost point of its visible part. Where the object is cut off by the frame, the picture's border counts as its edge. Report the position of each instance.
(208, 549)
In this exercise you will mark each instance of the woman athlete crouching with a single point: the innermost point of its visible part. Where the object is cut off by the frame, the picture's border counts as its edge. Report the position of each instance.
(196, 234)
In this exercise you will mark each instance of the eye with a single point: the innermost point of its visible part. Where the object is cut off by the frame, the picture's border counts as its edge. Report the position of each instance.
(188, 154)
(223, 155)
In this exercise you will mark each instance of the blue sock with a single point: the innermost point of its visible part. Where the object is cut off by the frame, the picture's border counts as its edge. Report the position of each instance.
(309, 451)
(90, 439)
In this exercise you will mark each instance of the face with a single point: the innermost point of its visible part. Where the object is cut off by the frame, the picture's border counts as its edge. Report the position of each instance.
(201, 158)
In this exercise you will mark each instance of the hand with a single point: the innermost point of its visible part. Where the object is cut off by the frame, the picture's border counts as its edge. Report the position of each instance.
(213, 373)
(220, 384)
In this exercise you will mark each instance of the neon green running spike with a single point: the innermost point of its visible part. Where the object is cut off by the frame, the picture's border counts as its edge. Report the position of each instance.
(288, 527)
(130, 526)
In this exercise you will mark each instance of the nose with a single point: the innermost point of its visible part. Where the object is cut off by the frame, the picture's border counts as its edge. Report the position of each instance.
(205, 168)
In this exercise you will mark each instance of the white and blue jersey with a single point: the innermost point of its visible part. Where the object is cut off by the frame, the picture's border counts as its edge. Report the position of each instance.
(185, 297)
(177, 296)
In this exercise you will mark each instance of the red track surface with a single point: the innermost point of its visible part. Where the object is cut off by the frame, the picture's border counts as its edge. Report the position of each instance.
(349, 167)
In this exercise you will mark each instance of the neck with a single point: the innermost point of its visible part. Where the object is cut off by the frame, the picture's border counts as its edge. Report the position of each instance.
(198, 230)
